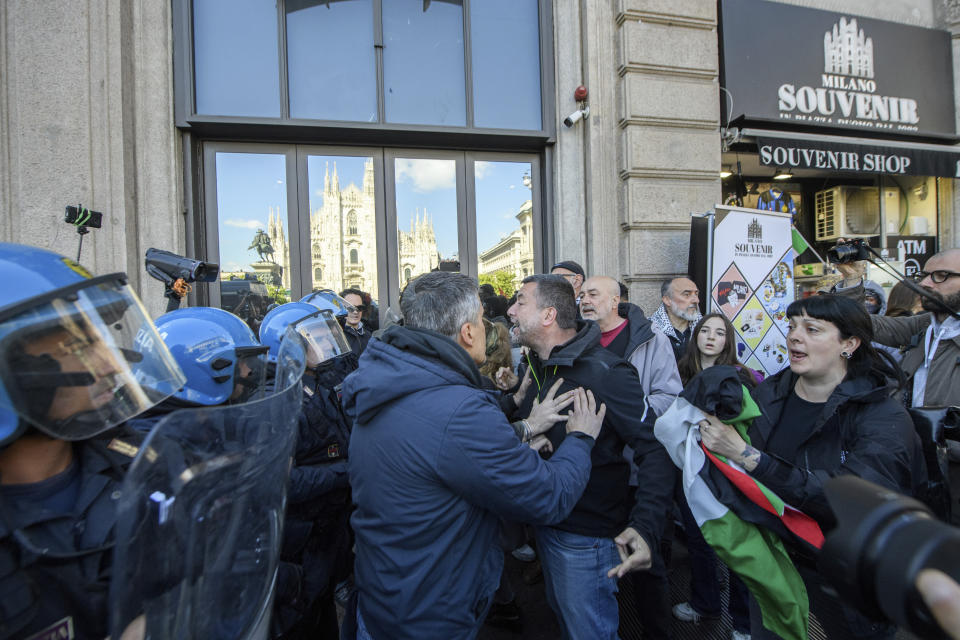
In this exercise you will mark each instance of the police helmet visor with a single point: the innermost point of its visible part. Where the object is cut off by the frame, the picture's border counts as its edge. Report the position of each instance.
(325, 299)
(249, 374)
(79, 360)
(323, 336)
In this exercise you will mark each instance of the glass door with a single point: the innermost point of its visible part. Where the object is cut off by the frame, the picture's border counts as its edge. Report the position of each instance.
(249, 218)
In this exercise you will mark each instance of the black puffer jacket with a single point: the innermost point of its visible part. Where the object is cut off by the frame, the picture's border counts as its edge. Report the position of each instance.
(604, 509)
(861, 431)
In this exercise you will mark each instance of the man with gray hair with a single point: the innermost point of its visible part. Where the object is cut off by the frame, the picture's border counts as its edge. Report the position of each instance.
(434, 462)
(678, 312)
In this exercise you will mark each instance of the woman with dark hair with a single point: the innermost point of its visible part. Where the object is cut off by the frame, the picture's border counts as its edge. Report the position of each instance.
(831, 413)
(715, 343)
(903, 301)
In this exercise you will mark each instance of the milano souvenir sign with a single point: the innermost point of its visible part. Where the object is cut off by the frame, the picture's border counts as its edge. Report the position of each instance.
(751, 282)
(788, 64)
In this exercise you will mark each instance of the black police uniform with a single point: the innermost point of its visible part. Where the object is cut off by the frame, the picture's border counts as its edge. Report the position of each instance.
(316, 552)
(55, 561)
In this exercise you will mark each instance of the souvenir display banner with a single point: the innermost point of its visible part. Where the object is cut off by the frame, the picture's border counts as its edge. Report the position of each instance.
(752, 282)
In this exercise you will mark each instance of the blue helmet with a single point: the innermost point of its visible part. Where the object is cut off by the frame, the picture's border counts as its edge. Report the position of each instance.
(78, 354)
(275, 324)
(323, 337)
(218, 353)
(329, 300)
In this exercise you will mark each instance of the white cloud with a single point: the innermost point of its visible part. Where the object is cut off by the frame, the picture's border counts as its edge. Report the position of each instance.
(245, 224)
(480, 168)
(513, 186)
(427, 175)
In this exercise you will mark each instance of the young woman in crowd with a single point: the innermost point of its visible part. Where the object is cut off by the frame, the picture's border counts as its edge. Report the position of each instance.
(830, 413)
(711, 347)
(714, 343)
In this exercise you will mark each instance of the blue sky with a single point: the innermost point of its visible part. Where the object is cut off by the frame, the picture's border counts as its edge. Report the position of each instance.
(248, 185)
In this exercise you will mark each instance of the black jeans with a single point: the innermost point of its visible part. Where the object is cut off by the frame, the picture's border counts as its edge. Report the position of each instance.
(704, 586)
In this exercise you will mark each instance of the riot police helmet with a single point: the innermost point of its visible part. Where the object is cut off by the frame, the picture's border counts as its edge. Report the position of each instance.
(78, 353)
(219, 354)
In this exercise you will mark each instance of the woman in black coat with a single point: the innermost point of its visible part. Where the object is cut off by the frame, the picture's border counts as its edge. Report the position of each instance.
(831, 413)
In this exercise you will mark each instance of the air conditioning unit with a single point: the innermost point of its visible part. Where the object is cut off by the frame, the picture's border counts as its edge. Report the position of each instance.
(852, 212)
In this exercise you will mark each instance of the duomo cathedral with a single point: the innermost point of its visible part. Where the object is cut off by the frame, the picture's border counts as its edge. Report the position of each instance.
(343, 238)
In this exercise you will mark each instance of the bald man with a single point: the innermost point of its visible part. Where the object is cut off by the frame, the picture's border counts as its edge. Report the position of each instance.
(629, 334)
(931, 359)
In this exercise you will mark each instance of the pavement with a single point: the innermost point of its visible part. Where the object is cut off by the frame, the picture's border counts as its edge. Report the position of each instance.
(539, 622)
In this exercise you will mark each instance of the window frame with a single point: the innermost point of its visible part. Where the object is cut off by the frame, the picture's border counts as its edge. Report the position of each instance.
(381, 133)
(385, 211)
(210, 221)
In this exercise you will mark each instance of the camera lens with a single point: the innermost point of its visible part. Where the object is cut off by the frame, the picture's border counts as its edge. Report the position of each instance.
(881, 542)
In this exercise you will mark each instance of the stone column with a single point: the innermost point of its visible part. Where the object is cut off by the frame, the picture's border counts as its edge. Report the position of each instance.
(87, 96)
(668, 119)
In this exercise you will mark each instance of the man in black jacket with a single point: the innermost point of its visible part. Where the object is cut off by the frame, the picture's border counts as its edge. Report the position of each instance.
(580, 554)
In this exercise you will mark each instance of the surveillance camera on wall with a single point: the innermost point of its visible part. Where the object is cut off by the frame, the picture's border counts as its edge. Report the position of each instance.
(576, 116)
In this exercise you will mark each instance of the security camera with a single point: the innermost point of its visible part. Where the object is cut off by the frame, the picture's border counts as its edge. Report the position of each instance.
(576, 116)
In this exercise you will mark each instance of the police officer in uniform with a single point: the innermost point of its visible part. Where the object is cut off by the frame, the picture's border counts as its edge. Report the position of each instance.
(317, 535)
(79, 356)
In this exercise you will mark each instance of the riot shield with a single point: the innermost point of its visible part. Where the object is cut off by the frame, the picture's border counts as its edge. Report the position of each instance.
(200, 517)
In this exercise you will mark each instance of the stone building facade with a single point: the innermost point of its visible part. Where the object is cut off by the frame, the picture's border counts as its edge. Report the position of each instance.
(94, 123)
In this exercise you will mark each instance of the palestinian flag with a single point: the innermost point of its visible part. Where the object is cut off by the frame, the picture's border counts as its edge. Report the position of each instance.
(742, 519)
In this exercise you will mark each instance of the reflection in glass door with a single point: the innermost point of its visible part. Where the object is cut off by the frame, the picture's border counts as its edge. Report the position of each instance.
(343, 223)
(504, 214)
(253, 233)
(427, 225)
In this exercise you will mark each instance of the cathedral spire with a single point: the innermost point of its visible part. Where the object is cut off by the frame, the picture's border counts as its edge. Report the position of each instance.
(336, 179)
(368, 176)
(326, 178)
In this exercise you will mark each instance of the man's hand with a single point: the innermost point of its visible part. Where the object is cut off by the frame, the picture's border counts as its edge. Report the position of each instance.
(546, 412)
(634, 553)
(541, 444)
(853, 272)
(506, 379)
(942, 595)
(584, 417)
(521, 393)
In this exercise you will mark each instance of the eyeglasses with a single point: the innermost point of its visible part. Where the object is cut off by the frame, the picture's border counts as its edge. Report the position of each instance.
(939, 276)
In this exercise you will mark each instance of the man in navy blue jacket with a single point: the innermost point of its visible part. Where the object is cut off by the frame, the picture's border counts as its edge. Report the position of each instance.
(433, 462)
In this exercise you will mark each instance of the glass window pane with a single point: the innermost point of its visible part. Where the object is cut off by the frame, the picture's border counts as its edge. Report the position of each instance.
(343, 223)
(236, 57)
(505, 47)
(253, 232)
(330, 59)
(504, 224)
(423, 62)
(426, 216)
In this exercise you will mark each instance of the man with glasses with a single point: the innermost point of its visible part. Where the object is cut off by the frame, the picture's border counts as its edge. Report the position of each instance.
(353, 328)
(931, 341)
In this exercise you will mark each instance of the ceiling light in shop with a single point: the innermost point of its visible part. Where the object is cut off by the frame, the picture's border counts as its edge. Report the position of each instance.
(782, 174)
(725, 173)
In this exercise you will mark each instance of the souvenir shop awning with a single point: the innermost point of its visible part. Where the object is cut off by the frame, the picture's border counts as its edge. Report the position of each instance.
(859, 155)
